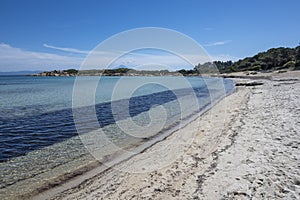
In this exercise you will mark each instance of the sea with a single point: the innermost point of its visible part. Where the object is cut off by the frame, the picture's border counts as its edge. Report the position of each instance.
(43, 120)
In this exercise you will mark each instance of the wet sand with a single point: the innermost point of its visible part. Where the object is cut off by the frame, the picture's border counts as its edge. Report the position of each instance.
(245, 147)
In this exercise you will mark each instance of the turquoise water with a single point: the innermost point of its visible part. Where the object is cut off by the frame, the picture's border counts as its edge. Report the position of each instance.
(37, 129)
(26, 95)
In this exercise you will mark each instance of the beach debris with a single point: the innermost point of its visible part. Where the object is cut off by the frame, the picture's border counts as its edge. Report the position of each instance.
(286, 79)
(249, 84)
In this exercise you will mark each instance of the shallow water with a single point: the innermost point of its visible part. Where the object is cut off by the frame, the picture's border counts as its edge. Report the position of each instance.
(37, 129)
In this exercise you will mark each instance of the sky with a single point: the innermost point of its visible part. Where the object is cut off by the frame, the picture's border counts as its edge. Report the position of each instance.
(58, 34)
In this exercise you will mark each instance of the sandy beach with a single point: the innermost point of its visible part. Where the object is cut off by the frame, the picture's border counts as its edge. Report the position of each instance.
(152, 100)
(245, 147)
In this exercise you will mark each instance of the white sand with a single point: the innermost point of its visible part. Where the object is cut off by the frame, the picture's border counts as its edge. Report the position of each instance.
(248, 149)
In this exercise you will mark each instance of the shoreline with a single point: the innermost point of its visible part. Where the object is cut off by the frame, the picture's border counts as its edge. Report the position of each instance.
(42, 185)
(96, 168)
(205, 170)
(73, 179)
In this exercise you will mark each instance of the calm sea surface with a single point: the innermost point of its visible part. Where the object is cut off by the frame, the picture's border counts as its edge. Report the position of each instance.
(37, 129)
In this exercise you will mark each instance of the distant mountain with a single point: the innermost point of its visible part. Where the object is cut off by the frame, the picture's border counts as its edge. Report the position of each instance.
(19, 73)
(120, 67)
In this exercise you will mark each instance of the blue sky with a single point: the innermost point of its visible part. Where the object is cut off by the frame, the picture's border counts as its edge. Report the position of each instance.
(47, 34)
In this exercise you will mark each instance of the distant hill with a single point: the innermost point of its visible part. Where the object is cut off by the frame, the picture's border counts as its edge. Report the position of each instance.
(271, 60)
(19, 73)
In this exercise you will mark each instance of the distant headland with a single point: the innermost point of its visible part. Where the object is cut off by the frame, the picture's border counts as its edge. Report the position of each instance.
(108, 72)
(275, 59)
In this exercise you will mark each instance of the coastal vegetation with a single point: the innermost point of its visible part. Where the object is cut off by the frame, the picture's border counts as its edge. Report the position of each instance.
(271, 60)
(274, 59)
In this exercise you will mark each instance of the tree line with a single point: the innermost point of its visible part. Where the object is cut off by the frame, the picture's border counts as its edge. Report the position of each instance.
(271, 60)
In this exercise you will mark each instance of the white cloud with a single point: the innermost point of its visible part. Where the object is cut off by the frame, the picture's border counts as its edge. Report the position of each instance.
(137, 58)
(16, 59)
(71, 50)
(217, 43)
(78, 51)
